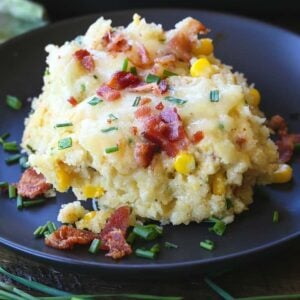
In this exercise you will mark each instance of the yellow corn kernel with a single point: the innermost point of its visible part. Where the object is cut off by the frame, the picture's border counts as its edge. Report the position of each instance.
(218, 184)
(63, 178)
(93, 191)
(254, 97)
(206, 47)
(89, 216)
(200, 67)
(184, 163)
(283, 174)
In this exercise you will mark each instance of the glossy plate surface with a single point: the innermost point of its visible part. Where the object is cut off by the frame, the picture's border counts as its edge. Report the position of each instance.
(268, 56)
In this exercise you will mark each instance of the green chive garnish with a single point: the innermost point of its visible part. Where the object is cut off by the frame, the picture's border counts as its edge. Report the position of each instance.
(47, 72)
(95, 246)
(3, 137)
(109, 129)
(50, 225)
(136, 101)
(133, 70)
(152, 78)
(275, 216)
(229, 203)
(30, 148)
(112, 117)
(223, 294)
(207, 244)
(3, 185)
(112, 149)
(176, 101)
(19, 202)
(13, 102)
(145, 253)
(67, 124)
(125, 65)
(12, 191)
(148, 232)
(214, 96)
(23, 161)
(131, 238)
(10, 147)
(37, 232)
(82, 88)
(12, 159)
(65, 143)
(168, 73)
(95, 76)
(155, 248)
(94, 101)
(29, 203)
(171, 245)
(218, 228)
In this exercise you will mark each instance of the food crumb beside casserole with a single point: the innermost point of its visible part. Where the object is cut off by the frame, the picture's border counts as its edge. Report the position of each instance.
(148, 122)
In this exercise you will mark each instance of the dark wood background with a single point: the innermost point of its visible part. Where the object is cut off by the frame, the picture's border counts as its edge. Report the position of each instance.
(274, 274)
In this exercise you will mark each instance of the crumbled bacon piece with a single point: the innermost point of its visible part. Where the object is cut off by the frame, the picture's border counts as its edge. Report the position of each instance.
(143, 111)
(160, 106)
(32, 184)
(72, 101)
(165, 59)
(85, 58)
(157, 89)
(134, 130)
(108, 93)
(197, 137)
(121, 80)
(117, 245)
(66, 237)
(144, 153)
(139, 56)
(145, 100)
(115, 42)
(240, 141)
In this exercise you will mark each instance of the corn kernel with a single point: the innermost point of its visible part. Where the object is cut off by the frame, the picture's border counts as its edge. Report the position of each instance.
(184, 163)
(254, 97)
(89, 216)
(63, 178)
(200, 67)
(218, 184)
(93, 191)
(206, 47)
(283, 174)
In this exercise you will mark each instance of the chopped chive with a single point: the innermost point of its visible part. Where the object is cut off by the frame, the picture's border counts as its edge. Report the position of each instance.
(207, 244)
(63, 125)
(148, 232)
(12, 159)
(29, 203)
(47, 72)
(168, 73)
(3, 185)
(19, 202)
(13, 102)
(23, 161)
(136, 101)
(275, 216)
(223, 294)
(50, 225)
(95, 76)
(170, 245)
(12, 191)
(65, 143)
(82, 88)
(95, 246)
(229, 203)
(133, 70)
(145, 253)
(152, 78)
(10, 147)
(131, 238)
(112, 149)
(38, 231)
(130, 140)
(221, 126)
(3, 137)
(125, 65)
(112, 117)
(46, 233)
(176, 101)
(155, 248)
(94, 101)
(218, 228)
(30, 148)
(214, 96)
(109, 129)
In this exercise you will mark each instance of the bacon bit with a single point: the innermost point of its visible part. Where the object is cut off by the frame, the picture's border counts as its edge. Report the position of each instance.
(32, 184)
(240, 141)
(278, 124)
(145, 59)
(85, 58)
(72, 101)
(145, 100)
(197, 137)
(165, 59)
(66, 237)
(134, 130)
(157, 89)
(142, 112)
(144, 153)
(108, 93)
(115, 42)
(160, 106)
(117, 245)
(121, 80)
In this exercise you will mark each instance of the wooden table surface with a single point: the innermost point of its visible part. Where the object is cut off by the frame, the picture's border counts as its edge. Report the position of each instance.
(275, 274)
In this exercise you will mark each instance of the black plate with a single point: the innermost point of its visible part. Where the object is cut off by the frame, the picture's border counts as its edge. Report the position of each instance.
(268, 56)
